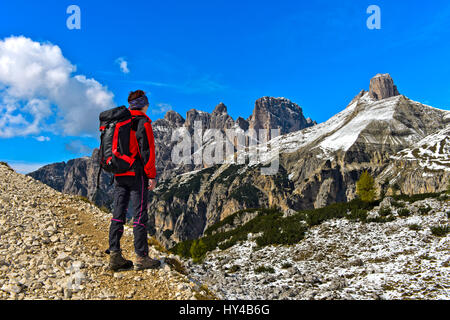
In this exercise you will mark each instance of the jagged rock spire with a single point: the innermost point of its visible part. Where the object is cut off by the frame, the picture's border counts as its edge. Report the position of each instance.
(382, 86)
(272, 113)
(174, 118)
(220, 108)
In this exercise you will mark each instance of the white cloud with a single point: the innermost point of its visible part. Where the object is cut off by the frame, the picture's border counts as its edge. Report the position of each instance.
(161, 108)
(123, 65)
(42, 139)
(37, 84)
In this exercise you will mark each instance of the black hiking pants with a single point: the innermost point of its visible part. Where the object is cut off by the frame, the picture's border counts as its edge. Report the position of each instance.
(126, 188)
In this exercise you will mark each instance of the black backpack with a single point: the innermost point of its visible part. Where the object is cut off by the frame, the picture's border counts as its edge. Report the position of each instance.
(115, 127)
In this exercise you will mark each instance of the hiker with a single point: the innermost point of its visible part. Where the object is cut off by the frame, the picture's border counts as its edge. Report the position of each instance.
(134, 185)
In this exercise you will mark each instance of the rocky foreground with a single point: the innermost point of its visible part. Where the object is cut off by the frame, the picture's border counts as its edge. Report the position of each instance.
(52, 247)
(341, 259)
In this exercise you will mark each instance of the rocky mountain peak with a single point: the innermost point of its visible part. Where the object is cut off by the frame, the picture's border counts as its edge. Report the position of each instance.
(174, 118)
(194, 115)
(278, 113)
(220, 108)
(382, 86)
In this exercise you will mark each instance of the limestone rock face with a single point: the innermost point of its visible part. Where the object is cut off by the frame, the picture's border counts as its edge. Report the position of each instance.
(278, 113)
(242, 123)
(382, 86)
(220, 119)
(162, 130)
(194, 115)
(174, 118)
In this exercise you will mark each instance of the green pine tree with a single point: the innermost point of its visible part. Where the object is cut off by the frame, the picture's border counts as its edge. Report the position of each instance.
(365, 187)
(183, 249)
(198, 250)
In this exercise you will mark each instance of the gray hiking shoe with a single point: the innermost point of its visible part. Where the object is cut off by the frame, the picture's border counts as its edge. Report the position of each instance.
(118, 262)
(146, 263)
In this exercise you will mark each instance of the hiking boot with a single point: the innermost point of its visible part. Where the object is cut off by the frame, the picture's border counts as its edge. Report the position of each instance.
(118, 262)
(146, 263)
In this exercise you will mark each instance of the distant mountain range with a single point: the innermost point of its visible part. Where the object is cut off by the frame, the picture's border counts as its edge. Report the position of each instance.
(382, 131)
(78, 176)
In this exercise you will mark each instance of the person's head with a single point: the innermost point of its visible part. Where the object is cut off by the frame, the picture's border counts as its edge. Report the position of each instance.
(138, 101)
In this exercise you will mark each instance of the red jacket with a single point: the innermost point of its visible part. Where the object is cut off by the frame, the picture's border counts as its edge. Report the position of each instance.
(142, 144)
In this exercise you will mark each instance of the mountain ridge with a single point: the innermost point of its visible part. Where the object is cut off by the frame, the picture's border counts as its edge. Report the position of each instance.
(315, 169)
(74, 175)
(318, 165)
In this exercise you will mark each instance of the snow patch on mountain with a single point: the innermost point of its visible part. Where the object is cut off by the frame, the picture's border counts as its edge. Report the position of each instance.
(432, 152)
(347, 135)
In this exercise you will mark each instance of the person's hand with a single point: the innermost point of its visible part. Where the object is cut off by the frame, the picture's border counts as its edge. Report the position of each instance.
(151, 184)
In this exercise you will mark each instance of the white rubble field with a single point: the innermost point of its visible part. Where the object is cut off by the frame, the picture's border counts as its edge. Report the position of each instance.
(340, 259)
(42, 258)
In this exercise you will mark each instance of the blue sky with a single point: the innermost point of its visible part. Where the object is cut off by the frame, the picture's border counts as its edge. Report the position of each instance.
(195, 54)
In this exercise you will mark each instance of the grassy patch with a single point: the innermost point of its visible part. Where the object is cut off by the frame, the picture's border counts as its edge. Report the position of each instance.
(198, 251)
(424, 210)
(153, 242)
(414, 227)
(385, 212)
(381, 219)
(416, 197)
(441, 230)
(398, 204)
(264, 269)
(336, 211)
(204, 293)
(176, 265)
(403, 212)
